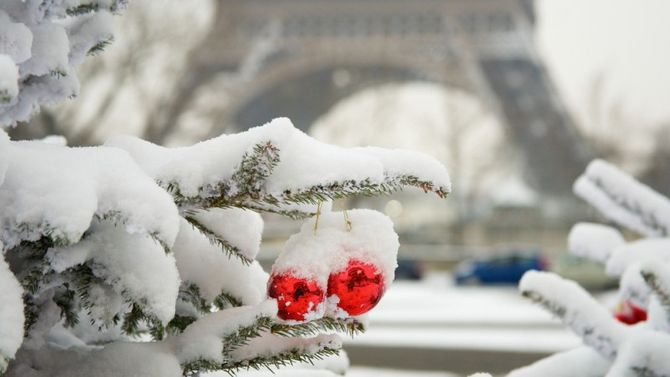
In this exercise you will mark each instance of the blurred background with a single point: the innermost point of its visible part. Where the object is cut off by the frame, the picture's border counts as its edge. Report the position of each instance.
(514, 96)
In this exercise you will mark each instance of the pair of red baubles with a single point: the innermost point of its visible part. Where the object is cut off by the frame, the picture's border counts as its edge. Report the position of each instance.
(359, 287)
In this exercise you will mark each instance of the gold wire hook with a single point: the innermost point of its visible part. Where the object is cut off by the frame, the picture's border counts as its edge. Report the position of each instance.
(318, 215)
(347, 220)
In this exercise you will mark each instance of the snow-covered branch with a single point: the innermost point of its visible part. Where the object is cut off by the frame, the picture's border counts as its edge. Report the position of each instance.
(42, 44)
(624, 200)
(594, 241)
(576, 309)
(278, 168)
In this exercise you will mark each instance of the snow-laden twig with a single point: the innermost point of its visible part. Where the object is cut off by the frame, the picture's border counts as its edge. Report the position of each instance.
(297, 170)
(621, 198)
(652, 249)
(576, 309)
(41, 47)
(41, 199)
(594, 241)
(11, 315)
(581, 361)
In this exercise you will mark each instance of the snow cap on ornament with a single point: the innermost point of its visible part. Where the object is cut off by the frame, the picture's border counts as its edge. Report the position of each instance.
(339, 264)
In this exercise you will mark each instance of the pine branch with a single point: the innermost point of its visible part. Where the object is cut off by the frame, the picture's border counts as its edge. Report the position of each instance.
(217, 240)
(654, 283)
(255, 168)
(190, 292)
(242, 336)
(226, 300)
(132, 320)
(276, 361)
(120, 221)
(349, 326)
(100, 46)
(231, 342)
(179, 323)
(246, 188)
(280, 360)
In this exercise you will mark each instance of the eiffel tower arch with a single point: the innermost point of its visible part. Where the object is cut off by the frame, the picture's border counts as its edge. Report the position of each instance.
(322, 51)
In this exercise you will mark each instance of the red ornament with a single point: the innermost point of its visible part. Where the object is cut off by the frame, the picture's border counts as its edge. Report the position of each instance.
(295, 296)
(359, 286)
(629, 313)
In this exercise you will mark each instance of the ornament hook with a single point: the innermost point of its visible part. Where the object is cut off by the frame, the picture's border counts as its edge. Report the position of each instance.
(347, 220)
(318, 215)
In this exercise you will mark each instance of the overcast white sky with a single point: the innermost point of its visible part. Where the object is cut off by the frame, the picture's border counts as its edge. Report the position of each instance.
(625, 41)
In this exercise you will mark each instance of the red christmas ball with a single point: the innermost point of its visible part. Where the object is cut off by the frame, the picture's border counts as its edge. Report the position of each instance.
(295, 296)
(629, 313)
(359, 287)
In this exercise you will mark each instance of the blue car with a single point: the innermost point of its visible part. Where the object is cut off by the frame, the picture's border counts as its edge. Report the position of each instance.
(507, 268)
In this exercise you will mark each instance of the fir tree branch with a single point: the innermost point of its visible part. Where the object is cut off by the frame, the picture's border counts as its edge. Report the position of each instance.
(225, 300)
(231, 342)
(654, 283)
(99, 47)
(255, 168)
(276, 361)
(242, 336)
(190, 292)
(246, 188)
(279, 360)
(179, 323)
(217, 240)
(349, 326)
(132, 320)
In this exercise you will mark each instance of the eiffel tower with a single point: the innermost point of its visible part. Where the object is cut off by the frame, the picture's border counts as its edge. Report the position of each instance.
(482, 47)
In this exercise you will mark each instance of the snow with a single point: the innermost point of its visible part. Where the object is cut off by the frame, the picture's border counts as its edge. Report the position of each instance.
(214, 271)
(403, 162)
(11, 314)
(594, 241)
(240, 227)
(304, 161)
(203, 338)
(86, 31)
(45, 44)
(581, 361)
(268, 344)
(314, 255)
(646, 351)
(48, 52)
(352, 372)
(622, 199)
(430, 314)
(16, 39)
(4, 155)
(578, 310)
(9, 86)
(652, 249)
(468, 338)
(40, 197)
(134, 265)
(121, 359)
(633, 287)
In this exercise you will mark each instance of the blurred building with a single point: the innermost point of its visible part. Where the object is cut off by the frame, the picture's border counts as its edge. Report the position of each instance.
(298, 58)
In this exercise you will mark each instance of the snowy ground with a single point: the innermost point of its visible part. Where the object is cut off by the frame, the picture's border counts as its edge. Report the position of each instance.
(440, 324)
(435, 314)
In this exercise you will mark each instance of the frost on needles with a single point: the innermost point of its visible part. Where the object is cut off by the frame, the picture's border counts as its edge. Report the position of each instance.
(105, 244)
(611, 348)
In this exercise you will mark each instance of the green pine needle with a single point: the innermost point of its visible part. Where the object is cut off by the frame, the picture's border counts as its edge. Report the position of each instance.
(217, 240)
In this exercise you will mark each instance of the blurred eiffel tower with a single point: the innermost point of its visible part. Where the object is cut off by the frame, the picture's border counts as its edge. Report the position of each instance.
(317, 52)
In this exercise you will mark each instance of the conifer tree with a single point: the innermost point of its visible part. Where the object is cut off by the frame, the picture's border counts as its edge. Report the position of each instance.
(134, 259)
(633, 341)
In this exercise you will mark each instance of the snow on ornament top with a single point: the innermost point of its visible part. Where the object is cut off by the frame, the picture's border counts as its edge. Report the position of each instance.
(339, 257)
(315, 254)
